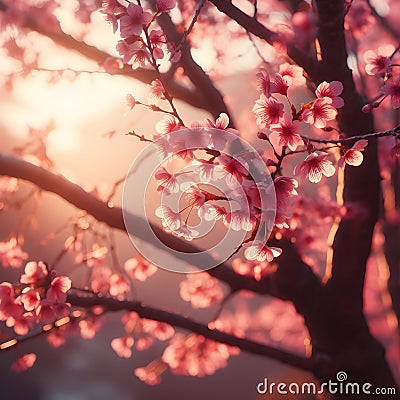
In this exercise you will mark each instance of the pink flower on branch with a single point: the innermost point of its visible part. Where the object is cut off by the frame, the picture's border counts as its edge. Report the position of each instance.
(354, 155)
(292, 74)
(165, 5)
(332, 90)
(320, 112)
(314, 166)
(24, 362)
(139, 268)
(267, 110)
(195, 355)
(380, 62)
(58, 289)
(11, 254)
(201, 290)
(393, 90)
(131, 24)
(123, 346)
(168, 182)
(259, 251)
(286, 133)
(34, 271)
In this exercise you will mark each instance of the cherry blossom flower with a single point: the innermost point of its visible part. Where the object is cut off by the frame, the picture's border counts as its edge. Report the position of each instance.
(140, 55)
(157, 39)
(150, 374)
(144, 342)
(259, 251)
(160, 330)
(195, 355)
(284, 188)
(139, 268)
(167, 125)
(211, 212)
(156, 91)
(134, 54)
(393, 90)
(359, 18)
(195, 196)
(34, 271)
(208, 171)
(21, 324)
(30, 298)
(46, 311)
(222, 123)
(118, 285)
(314, 166)
(89, 327)
(56, 338)
(187, 232)
(305, 26)
(170, 219)
(24, 362)
(286, 133)
(320, 112)
(292, 74)
(168, 182)
(332, 90)
(267, 110)
(264, 82)
(123, 346)
(11, 254)
(9, 307)
(239, 220)
(124, 50)
(380, 62)
(131, 24)
(236, 169)
(130, 101)
(58, 289)
(354, 155)
(111, 8)
(100, 281)
(279, 85)
(165, 5)
(201, 290)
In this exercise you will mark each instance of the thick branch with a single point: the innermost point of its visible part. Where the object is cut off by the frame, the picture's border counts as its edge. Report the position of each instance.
(191, 97)
(194, 72)
(113, 217)
(251, 25)
(353, 239)
(179, 321)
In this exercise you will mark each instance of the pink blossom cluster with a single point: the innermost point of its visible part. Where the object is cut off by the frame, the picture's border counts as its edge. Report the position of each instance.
(240, 207)
(382, 64)
(40, 297)
(281, 127)
(141, 333)
(139, 44)
(195, 355)
(11, 254)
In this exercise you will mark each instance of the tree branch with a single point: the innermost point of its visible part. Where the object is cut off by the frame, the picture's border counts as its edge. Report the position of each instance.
(144, 75)
(202, 82)
(251, 25)
(76, 196)
(180, 321)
